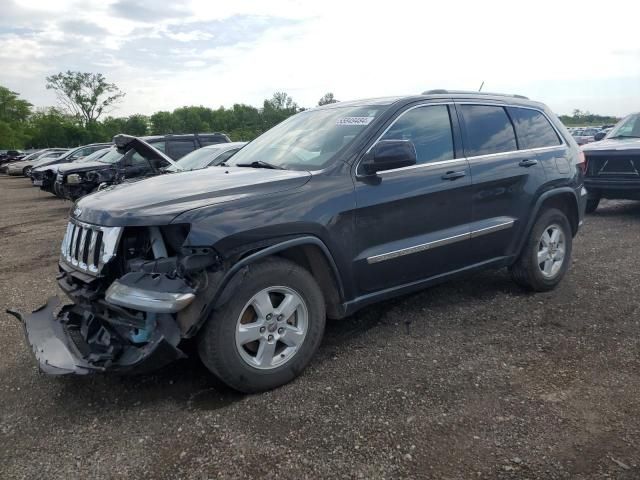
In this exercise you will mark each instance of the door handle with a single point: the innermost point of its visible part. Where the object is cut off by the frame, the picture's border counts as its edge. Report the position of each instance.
(453, 175)
(528, 163)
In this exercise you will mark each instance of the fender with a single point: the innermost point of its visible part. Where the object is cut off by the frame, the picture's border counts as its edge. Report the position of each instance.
(231, 276)
(536, 208)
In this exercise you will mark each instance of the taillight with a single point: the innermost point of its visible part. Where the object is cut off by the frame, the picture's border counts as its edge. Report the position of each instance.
(582, 162)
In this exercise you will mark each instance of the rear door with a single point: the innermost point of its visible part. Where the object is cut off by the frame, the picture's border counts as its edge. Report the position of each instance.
(412, 223)
(505, 177)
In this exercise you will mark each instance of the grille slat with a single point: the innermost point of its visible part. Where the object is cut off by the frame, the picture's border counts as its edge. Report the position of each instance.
(89, 247)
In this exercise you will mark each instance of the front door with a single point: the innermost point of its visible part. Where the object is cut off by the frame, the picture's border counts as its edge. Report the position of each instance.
(412, 223)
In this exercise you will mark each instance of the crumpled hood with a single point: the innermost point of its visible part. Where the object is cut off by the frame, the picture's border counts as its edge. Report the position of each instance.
(44, 162)
(75, 167)
(157, 200)
(613, 144)
(53, 168)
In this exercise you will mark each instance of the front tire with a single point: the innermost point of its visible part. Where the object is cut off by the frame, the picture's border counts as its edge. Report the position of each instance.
(268, 331)
(546, 255)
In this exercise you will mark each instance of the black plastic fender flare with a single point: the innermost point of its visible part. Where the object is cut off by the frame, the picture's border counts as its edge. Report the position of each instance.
(536, 209)
(231, 276)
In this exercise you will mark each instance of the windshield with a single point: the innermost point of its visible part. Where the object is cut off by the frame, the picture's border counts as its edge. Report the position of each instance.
(627, 128)
(197, 159)
(308, 140)
(112, 156)
(95, 155)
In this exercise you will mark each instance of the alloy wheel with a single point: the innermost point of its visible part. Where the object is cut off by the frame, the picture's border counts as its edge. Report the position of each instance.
(272, 327)
(551, 251)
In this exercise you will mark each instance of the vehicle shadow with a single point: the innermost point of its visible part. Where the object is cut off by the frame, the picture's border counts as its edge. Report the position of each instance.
(617, 208)
(189, 383)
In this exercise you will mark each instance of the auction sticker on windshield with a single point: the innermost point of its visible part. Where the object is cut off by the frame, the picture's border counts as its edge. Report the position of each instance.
(354, 121)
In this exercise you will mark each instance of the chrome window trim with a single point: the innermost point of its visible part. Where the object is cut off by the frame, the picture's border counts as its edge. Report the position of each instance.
(438, 243)
(562, 144)
(423, 165)
(422, 105)
(511, 152)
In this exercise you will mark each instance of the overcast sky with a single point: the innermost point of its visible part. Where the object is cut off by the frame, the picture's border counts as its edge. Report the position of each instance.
(570, 55)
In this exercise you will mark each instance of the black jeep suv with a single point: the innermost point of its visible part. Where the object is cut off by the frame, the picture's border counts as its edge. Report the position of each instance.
(613, 164)
(331, 210)
(78, 179)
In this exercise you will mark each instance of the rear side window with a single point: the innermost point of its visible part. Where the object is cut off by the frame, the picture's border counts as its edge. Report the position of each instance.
(533, 128)
(429, 128)
(488, 130)
(179, 148)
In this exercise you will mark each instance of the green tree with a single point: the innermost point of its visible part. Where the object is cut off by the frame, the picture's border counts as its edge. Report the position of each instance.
(14, 113)
(137, 125)
(84, 95)
(327, 99)
(276, 109)
(162, 123)
(112, 126)
(51, 127)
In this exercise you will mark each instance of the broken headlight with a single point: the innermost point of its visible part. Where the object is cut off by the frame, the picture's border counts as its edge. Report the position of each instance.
(74, 178)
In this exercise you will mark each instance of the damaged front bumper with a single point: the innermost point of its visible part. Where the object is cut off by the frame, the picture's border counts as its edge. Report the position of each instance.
(75, 341)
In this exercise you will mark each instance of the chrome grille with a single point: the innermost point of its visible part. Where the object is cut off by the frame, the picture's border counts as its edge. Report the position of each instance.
(88, 247)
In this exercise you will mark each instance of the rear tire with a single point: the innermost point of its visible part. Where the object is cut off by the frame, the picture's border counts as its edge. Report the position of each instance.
(592, 204)
(26, 171)
(546, 255)
(256, 349)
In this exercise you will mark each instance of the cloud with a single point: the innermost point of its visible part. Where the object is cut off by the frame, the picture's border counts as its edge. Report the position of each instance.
(148, 11)
(198, 52)
(82, 28)
(193, 44)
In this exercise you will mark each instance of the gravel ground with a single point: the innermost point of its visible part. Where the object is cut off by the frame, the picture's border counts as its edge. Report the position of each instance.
(473, 379)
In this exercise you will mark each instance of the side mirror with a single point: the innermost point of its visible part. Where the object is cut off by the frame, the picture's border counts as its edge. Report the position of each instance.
(599, 136)
(388, 155)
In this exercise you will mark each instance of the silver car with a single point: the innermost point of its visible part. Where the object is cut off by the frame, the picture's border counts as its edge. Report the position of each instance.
(23, 167)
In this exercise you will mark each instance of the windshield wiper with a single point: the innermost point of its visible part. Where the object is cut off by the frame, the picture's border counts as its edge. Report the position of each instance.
(625, 136)
(259, 164)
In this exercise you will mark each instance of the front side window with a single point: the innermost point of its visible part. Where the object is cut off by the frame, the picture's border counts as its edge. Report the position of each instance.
(534, 130)
(488, 130)
(429, 129)
(309, 140)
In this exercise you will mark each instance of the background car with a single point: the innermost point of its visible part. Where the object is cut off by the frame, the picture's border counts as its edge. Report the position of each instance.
(49, 172)
(11, 156)
(133, 158)
(613, 164)
(38, 175)
(23, 167)
(583, 136)
(206, 157)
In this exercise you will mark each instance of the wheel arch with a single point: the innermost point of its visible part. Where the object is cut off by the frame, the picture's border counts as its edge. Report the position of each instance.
(564, 199)
(308, 251)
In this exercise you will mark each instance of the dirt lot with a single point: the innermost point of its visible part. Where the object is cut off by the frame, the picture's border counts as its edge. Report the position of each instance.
(474, 379)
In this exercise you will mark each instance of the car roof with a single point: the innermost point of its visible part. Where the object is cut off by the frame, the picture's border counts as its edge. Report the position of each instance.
(225, 146)
(181, 135)
(436, 94)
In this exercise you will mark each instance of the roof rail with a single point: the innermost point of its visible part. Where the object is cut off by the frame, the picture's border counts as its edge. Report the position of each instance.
(442, 91)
